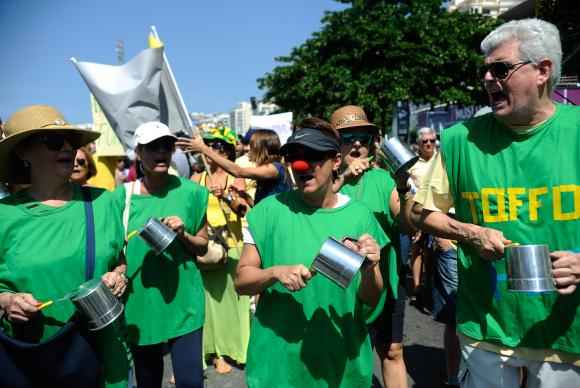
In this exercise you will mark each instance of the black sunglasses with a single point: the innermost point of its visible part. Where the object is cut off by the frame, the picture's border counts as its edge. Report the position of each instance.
(309, 156)
(429, 141)
(501, 70)
(353, 137)
(81, 162)
(218, 146)
(53, 141)
(163, 145)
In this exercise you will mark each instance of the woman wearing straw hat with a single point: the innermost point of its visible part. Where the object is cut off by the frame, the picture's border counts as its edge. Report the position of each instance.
(55, 236)
(165, 299)
(375, 188)
(227, 321)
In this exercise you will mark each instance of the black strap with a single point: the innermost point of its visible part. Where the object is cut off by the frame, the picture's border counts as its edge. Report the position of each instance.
(90, 244)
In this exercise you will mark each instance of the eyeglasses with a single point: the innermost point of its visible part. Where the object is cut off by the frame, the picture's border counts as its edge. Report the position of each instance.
(432, 141)
(308, 155)
(81, 162)
(353, 137)
(163, 145)
(501, 70)
(53, 141)
(218, 146)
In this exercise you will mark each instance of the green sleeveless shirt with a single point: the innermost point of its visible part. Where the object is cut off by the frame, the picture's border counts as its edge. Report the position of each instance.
(528, 187)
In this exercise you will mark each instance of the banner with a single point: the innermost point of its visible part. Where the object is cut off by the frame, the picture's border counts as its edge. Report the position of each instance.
(136, 92)
(281, 123)
(108, 143)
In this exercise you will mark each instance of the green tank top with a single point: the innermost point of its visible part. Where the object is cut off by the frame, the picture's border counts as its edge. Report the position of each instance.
(528, 187)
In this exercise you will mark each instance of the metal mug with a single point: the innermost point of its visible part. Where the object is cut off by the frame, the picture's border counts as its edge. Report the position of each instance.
(398, 157)
(96, 301)
(157, 235)
(337, 262)
(529, 268)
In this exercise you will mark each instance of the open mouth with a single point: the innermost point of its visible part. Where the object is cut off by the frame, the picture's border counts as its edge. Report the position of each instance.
(354, 154)
(497, 98)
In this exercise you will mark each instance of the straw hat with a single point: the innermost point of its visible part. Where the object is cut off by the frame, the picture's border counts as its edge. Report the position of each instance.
(350, 116)
(31, 120)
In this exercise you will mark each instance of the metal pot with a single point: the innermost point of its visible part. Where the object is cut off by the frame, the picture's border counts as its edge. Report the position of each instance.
(529, 268)
(96, 301)
(397, 156)
(337, 262)
(157, 235)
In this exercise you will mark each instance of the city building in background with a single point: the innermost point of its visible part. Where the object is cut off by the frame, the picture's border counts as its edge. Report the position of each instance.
(492, 8)
(240, 117)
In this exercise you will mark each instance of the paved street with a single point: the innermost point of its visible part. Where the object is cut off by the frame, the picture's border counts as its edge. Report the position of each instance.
(423, 354)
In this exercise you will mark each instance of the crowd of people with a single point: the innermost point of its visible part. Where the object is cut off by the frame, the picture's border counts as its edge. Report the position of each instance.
(237, 285)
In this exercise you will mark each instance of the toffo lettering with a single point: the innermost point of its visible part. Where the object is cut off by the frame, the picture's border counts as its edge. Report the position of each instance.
(513, 203)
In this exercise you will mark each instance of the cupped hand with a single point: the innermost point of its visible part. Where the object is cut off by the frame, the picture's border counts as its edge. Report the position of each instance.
(566, 271)
(489, 243)
(293, 277)
(174, 223)
(117, 282)
(19, 307)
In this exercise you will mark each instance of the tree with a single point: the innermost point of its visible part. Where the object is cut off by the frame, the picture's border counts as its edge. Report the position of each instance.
(378, 52)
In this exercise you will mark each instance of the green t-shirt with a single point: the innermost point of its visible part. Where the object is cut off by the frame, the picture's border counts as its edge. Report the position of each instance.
(315, 337)
(42, 252)
(527, 186)
(374, 190)
(165, 297)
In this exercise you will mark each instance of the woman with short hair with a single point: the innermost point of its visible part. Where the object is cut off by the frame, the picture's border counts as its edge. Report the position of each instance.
(84, 167)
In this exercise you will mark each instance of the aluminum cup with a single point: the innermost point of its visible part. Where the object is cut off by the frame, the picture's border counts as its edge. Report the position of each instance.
(337, 262)
(529, 268)
(157, 235)
(398, 157)
(98, 304)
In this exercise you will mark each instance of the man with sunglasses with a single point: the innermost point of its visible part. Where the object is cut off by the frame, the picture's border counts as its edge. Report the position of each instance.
(513, 176)
(307, 331)
(376, 189)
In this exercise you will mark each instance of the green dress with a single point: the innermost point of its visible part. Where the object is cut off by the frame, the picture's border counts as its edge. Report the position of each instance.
(226, 331)
(528, 187)
(315, 337)
(165, 297)
(42, 252)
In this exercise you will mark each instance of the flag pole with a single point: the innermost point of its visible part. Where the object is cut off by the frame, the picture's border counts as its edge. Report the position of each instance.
(182, 108)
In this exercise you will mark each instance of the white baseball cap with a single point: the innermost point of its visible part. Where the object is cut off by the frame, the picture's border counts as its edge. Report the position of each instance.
(151, 131)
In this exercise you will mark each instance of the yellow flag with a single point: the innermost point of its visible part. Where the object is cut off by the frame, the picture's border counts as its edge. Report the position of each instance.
(154, 42)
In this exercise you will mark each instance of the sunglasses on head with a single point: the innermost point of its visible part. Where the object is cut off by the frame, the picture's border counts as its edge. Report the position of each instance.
(353, 137)
(53, 141)
(501, 70)
(425, 141)
(164, 144)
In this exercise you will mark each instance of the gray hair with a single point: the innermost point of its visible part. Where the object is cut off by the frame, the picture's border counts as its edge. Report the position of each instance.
(425, 131)
(538, 40)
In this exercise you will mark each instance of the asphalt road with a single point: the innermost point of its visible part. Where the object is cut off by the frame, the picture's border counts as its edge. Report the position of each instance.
(423, 355)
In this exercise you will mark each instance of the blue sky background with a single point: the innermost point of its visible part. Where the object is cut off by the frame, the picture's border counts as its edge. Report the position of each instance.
(217, 48)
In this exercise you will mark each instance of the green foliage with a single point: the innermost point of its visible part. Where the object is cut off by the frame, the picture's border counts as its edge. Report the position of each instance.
(377, 52)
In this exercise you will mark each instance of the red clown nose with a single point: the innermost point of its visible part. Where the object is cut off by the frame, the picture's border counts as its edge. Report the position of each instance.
(300, 166)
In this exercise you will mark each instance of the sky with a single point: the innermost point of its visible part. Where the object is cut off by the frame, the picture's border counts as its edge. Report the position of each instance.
(217, 48)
